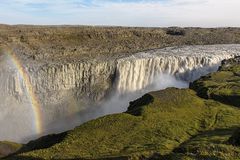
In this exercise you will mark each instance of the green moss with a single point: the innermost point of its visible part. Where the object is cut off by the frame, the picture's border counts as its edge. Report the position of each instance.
(223, 86)
(170, 118)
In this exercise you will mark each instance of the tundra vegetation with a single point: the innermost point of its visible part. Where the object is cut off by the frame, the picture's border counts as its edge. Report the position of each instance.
(84, 42)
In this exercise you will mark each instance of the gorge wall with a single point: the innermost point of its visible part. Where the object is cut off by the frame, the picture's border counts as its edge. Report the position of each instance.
(70, 93)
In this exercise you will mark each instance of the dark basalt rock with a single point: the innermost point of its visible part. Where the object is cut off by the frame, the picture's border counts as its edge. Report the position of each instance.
(176, 32)
(228, 62)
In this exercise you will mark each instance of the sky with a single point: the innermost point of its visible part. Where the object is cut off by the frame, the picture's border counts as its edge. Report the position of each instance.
(142, 13)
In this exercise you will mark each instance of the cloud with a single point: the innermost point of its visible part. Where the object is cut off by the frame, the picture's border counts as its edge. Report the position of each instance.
(204, 13)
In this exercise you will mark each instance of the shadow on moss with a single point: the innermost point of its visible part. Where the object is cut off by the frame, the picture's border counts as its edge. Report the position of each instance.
(216, 132)
(18, 157)
(181, 157)
(235, 138)
(41, 143)
(233, 100)
(136, 107)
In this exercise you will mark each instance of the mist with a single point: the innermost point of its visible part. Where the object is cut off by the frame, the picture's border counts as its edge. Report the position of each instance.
(120, 101)
(16, 114)
(15, 120)
(116, 103)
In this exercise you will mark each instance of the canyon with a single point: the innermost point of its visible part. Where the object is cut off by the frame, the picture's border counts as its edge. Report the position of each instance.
(72, 92)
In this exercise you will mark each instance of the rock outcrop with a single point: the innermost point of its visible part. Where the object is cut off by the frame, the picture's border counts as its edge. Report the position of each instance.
(223, 85)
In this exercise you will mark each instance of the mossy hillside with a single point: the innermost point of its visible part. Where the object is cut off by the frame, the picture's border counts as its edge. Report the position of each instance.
(7, 148)
(215, 144)
(208, 146)
(161, 124)
(223, 85)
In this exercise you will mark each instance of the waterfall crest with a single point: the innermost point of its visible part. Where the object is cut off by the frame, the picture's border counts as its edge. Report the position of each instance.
(185, 63)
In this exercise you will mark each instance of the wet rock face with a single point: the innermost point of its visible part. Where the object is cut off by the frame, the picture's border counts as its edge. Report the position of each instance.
(84, 80)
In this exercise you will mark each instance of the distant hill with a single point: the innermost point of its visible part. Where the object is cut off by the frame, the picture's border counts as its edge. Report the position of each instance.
(89, 42)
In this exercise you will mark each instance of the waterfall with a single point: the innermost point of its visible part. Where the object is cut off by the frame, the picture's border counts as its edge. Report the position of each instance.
(140, 70)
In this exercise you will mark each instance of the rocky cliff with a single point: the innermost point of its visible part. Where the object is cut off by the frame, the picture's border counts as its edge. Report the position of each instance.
(93, 79)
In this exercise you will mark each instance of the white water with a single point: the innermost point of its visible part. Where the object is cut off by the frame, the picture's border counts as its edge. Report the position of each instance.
(185, 63)
(63, 88)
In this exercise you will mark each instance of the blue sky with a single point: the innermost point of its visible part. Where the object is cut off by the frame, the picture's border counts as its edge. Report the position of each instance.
(150, 13)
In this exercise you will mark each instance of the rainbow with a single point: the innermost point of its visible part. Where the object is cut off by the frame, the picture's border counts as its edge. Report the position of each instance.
(35, 105)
